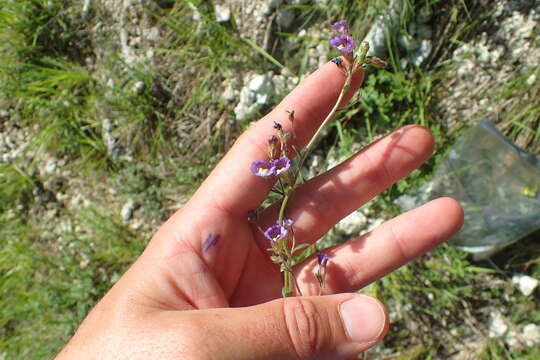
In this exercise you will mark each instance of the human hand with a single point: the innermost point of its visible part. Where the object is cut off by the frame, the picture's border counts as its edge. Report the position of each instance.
(205, 287)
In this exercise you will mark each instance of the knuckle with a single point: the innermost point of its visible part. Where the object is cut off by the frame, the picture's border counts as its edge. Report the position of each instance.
(304, 326)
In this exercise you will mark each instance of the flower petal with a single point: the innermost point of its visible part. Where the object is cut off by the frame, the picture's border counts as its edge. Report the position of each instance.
(341, 26)
(263, 168)
(281, 165)
(275, 233)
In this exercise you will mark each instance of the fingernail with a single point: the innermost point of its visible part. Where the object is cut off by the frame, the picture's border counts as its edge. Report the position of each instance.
(363, 318)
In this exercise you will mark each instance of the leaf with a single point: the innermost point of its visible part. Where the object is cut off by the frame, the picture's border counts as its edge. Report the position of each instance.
(303, 255)
(299, 247)
(286, 292)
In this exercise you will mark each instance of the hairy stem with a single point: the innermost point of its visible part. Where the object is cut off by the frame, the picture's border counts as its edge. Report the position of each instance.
(327, 119)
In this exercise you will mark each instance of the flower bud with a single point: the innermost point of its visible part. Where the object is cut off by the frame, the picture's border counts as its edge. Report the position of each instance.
(272, 141)
(378, 63)
(363, 50)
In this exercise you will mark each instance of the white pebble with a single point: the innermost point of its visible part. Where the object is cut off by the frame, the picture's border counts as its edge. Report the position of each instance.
(127, 210)
(353, 224)
(223, 13)
(257, 83)
(137, 88)
(526, 284)
(497, 327)
(50, 168)
(152, 34)
(531, 334)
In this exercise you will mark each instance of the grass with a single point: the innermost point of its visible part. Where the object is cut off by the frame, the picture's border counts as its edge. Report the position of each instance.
(62, 240)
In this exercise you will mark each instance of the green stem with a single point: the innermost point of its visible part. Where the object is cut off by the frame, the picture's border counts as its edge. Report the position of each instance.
(283, 206)
(328, 117)
(289, 280)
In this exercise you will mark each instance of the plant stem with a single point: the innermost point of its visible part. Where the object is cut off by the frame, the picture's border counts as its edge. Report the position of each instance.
(288, 277)
(329, 117)
(311, 143)
(283, 206)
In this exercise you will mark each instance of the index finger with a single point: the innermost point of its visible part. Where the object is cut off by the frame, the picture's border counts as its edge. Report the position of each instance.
(231, 186)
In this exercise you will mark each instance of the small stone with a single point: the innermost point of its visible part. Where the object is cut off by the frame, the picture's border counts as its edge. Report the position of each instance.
(375, 223)
(406, 202)
(152, 34)
(512, 339)
(62, 197)
(138, 87)
(257, 83)
(4, 114)
(50, 168)
(531, 334)
(279, 82)
(526, 284)
(531, 79)
(223, 13)
(262, 99)
(136, 224)
(135, 42)
(497, 327)
(244, 108)
(76, 200)
(86, 7)
(229, 94)
(422, 52)
(84, 262)
(353, 224)
(287, 72)
(127, 210)
(256, 93)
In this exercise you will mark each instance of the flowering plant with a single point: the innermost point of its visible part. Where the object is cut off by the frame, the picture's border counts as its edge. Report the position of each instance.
(286, 175)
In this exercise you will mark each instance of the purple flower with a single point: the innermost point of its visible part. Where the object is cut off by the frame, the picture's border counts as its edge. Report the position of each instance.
(275, 233)
(343, 43)
(342, 27)
(338, 61)
(281, 165)
(287, 222)
(272, 139)
(323, 259)
(263, 168)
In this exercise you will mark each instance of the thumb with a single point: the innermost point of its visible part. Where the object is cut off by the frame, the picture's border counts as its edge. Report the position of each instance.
(334, 327)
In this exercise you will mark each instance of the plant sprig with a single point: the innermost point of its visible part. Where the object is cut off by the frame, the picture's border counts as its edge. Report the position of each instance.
(285, 252)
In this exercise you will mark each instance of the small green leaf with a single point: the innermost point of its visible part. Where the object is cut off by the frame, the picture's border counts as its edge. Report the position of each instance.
(286, 292)
(299, 247)
(303, 255)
